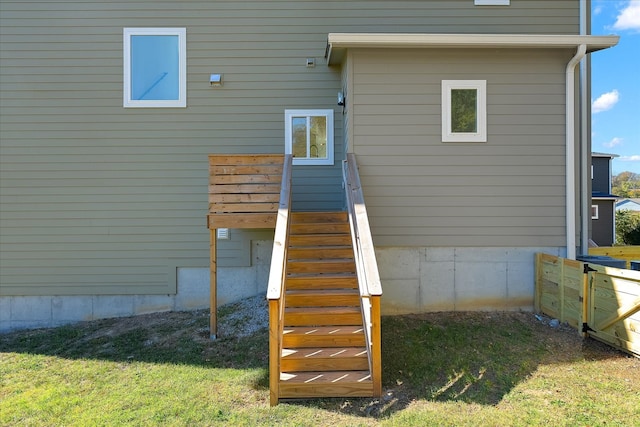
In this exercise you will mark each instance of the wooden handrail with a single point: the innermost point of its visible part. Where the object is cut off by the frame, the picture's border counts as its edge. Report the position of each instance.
(366, 268)
(275, 288)
(278, 257)
(365, 252)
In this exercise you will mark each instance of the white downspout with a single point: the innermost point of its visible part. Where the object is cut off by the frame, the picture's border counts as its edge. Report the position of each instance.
(585, 147)
(570, 168)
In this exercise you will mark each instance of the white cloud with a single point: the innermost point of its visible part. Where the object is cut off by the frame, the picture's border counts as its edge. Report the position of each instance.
(605, 102)
(629, 17)
(634, 158)
(615, 141)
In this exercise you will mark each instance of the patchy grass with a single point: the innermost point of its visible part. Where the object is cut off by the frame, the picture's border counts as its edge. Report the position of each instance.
(441, 369)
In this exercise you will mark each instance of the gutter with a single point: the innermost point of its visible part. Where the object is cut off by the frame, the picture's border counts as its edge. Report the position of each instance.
(570, 147)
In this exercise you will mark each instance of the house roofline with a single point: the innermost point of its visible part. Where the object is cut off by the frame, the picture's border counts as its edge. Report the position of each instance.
(611, 156)
(337, 43)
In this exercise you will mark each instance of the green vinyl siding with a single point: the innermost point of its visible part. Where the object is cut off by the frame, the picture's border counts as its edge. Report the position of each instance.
(506, 192)
(98, 199)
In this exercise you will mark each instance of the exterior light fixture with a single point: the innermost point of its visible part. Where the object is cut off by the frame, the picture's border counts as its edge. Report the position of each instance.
(215, 80)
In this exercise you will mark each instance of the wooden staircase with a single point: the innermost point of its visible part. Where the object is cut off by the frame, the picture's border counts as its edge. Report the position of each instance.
(324, 288)
(324, 351)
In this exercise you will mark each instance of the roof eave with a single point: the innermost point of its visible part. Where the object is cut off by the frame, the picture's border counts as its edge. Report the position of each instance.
(337, 43)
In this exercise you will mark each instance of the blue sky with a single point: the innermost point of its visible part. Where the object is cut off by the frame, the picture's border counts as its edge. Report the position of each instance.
(615, 83)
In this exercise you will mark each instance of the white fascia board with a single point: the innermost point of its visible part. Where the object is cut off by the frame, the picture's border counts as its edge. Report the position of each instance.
(341, 41)
(610, 156)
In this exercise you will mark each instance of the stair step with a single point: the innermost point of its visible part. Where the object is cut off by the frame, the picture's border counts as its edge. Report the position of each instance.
(324, 359)
(325, 281)
(319, 228)
(323, 336)
(322, 297)
(301, 217)
(319, 240)
(321, 266)
(324, 351)
(325, 384)
(320, 252)
(322, 316)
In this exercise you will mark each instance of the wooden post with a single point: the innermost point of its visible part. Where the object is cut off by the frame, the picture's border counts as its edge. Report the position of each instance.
(213, 285)
(274, 351)
(376, 350)
(537, 296)
(586, 299)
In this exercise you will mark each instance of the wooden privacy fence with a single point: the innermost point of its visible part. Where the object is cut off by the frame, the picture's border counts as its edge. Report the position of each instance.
(601, 302)
(627, 253)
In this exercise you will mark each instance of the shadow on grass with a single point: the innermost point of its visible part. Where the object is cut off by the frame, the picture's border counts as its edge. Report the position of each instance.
(466, 357)
(463, 357)
(162, 338)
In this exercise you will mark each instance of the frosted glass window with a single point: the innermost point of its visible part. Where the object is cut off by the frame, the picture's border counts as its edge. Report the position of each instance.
(154, 67)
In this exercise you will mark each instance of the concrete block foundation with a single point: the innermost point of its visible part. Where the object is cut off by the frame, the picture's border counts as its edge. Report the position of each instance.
(419, 280)
(414, 280)
(234, 284)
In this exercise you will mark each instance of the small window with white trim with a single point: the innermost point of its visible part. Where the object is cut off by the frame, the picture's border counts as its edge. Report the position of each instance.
(155, 67)
(309, 136)
(594, 212)
(464, 110)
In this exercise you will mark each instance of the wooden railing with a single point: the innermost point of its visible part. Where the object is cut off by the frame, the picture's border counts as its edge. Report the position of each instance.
(275, 289)
(367, 268)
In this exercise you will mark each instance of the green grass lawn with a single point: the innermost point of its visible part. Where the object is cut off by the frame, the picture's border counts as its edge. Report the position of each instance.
(441, 369)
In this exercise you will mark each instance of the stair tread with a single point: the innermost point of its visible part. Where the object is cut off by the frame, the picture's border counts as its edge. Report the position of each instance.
(319, 252)
(323, 336)
(319, 310)
(324, 330)
(326, 377)
(336, 278)
(333, 216)
(302, 240)
(324, 352)
(323, 292)
(329, 275)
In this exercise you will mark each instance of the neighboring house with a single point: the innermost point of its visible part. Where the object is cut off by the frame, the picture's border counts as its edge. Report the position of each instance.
(628, 204)
(463, 116)
(603, 226)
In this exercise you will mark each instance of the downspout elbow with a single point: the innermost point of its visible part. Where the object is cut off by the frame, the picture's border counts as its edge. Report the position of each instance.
(570, 151)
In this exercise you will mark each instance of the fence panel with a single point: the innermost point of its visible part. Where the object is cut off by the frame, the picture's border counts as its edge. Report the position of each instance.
(602, 302)
(627, 253)
(559, 288)
(615, 307)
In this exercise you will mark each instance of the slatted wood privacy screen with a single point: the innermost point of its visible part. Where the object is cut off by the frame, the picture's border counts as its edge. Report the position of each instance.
(244, 190)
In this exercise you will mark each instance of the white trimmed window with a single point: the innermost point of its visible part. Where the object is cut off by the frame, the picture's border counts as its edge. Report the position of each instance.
(594, 212)
(155, 67)
(309, 136)
(464, 110)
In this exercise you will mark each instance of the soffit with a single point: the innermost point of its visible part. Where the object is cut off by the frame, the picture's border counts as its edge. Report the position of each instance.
(338, 43)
